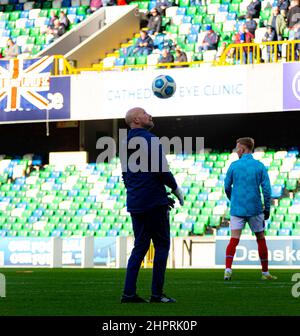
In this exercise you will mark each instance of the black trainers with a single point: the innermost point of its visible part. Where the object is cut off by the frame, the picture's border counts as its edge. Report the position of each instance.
(132, 299)
(161, 299)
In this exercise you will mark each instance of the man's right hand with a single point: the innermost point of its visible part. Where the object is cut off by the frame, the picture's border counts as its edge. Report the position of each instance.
(266, 214)
(178, 193)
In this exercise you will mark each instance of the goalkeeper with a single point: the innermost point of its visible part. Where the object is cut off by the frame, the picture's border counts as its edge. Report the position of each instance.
(243, 181)
(148, 204)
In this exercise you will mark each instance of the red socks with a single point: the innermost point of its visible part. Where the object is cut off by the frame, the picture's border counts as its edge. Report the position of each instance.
(263, 254)
(230, 251)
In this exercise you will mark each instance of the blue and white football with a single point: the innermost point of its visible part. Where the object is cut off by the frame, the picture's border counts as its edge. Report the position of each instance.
(163, 86)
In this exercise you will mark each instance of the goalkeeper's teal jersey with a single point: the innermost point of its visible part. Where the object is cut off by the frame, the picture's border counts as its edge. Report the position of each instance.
(243, 181)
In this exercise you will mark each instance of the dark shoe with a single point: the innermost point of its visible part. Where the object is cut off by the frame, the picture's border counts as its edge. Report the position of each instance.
(161, 299)
(132, 299)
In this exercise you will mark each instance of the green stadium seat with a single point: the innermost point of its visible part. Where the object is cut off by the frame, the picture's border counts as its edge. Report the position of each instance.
(9, 8)
(296, 232)
(199, 228)
(44, 13)
(141, 60)
(101, 233)
(275, 225)
(287, 225)
(12, 233)
(45, 233)
(23, 233)
(72, 226)
(271, 232)
(47, 4)
(184, 3)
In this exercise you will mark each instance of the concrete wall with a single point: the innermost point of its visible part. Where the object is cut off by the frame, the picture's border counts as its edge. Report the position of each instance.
(108, 38)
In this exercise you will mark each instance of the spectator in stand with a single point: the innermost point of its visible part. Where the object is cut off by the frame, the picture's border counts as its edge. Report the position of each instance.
(293, 16)
(244, 36)
(221, 50)
(283, 5)
(154, 22)
(270, 36)
(94, 5)
(251, 24)
(53, 34)
(210, 41)
(253, 9)
(12, 50)
(64, 19)
(162, 5)
(180, 56)
(53, 17)
(166, 57)
(277, 21)
(293, 23)
(144, 45)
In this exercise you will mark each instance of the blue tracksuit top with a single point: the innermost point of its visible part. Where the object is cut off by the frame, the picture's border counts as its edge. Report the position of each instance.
(145, 189)
(242, 186)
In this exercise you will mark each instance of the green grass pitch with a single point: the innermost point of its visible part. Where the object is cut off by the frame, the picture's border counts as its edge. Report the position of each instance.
(96, 292)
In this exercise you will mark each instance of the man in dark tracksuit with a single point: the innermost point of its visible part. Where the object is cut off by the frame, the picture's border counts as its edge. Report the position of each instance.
(148, 204)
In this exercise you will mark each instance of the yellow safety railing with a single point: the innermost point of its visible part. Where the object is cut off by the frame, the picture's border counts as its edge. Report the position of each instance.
(256, 53)
(244, 53)
(61, 67)
(100, 67)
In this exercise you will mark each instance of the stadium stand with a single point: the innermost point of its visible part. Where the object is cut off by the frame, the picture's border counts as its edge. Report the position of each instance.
(89, 200)
(184, 24)
(27, 22)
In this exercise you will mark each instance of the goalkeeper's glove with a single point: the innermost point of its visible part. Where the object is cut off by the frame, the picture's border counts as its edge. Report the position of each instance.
(178, 193)
(267, 214)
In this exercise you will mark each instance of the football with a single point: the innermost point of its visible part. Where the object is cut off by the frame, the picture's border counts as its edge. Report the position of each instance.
(163, 86)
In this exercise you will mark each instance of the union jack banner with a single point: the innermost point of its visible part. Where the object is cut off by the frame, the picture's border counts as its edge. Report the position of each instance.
(25, 84)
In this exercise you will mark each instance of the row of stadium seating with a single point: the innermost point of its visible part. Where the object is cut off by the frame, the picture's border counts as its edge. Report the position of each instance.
(27, 28)
(90, 199)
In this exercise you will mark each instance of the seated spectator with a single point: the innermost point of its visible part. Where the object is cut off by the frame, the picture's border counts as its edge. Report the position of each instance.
(144, 45)
(162, 5)
(12, 50)
(53, 34)
(53, 17)
(154, 22)
(283, 4)
(210, 41)
(180, 56)
(253, 9)
(64, 19)
(251, 24)
(166, 57)
(94, 5)
(270, 36)
(221, 50)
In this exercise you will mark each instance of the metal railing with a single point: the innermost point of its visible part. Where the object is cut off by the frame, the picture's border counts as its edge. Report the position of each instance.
(245, 53)
(256, 53)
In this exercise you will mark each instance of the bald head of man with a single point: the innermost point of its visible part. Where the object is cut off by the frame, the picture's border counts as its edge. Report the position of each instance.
(137, 117)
